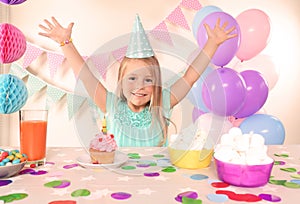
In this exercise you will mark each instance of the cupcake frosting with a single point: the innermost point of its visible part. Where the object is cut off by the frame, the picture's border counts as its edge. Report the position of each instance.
(103, 142)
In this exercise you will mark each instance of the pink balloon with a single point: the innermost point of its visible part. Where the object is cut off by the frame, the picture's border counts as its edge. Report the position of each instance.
(236, 122)
(12, 43)
(224, 91)
(263, 64)
(227, 50)
(256, 93)
(255, 29)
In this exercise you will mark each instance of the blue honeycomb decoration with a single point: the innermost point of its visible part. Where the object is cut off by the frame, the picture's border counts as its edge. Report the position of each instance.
(13, 93)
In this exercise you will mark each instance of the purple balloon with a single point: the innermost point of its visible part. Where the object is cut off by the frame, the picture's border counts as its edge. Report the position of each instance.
(256, 93)
(12, 2)
(224, 91)
(196, 113)
(226, 50)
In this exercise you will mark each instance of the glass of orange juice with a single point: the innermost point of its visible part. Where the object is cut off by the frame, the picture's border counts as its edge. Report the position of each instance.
(33, 135)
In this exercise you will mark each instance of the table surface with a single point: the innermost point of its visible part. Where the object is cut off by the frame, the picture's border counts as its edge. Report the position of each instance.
(64, 179)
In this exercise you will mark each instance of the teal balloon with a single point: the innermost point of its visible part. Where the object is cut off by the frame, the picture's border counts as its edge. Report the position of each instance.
(200, 15)
(13, 93)
(270, 127)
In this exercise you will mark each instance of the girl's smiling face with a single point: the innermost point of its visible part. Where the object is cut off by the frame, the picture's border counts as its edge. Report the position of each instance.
(138, 84)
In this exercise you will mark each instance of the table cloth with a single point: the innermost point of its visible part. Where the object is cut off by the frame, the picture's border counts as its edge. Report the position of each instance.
(144, 175)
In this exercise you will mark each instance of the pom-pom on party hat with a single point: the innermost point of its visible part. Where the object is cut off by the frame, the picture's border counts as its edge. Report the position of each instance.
(139, 46)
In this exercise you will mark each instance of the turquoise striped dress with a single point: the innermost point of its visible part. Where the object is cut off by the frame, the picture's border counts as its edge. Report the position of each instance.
(132, 129)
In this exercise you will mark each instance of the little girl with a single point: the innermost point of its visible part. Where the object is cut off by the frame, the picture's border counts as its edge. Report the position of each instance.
(138, 114)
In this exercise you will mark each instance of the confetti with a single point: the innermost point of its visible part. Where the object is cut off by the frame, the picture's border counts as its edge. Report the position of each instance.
(151, 174)
(57, 184)
(69, 166)
(281, 155)
(279, 163)
(288, 169)
(80, 192)
(291, 185)
(219, 184)
(169, 169)
(13, 197)
(63, 202)
(120, 195)
(158, 155)
(186, 200)
(199, 177)
(5, 182)
(128, 167)
(269, 197)
(277, 182)
(188, 194)
(218, 198)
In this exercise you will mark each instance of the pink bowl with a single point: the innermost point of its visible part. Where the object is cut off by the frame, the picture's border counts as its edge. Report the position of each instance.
(243, 175)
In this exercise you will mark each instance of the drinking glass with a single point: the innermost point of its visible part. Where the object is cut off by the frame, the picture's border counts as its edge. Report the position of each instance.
(33, 135)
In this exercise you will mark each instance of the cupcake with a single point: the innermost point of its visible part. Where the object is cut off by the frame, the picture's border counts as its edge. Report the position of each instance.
(102, 148)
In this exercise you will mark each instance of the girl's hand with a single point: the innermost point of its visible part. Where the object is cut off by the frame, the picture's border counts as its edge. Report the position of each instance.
(55, 31)
(218, 35)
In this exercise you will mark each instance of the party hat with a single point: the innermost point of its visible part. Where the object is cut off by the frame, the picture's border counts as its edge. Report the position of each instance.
(139, 46)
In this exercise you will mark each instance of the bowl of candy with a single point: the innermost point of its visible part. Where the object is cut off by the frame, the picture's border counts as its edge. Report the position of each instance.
(242, 160)
(11, 162)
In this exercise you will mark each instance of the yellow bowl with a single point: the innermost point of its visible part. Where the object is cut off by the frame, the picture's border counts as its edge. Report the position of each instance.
(191, 159)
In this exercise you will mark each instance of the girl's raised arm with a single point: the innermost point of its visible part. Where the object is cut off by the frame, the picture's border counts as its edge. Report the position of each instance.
(216, 37)
(61, 35)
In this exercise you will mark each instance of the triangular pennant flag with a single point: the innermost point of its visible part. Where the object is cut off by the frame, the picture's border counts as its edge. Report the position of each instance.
(54, 93)
(119, 53)
(74, 103)
(17, 70)
(161, 32)
(31, 54)
(34, 85)
(191, 4)
(54, 61)
(96, 112)
(101, 62)
(178, 18)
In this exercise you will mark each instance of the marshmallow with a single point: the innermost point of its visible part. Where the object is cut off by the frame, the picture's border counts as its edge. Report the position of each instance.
(238, 148)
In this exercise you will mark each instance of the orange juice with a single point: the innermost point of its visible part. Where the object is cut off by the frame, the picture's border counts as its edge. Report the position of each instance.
(33, 139)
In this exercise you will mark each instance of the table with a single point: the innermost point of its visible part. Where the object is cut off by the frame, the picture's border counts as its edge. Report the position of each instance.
(136, 181)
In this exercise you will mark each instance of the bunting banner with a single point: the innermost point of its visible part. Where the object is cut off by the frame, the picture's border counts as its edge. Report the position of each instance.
(101, 61)
(54, 94)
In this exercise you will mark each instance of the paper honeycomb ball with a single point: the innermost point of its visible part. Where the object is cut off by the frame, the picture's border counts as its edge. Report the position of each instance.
(13, 93)
(12, 2)
(12, 43)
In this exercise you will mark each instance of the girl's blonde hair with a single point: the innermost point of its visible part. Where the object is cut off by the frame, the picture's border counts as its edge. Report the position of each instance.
(155, 104)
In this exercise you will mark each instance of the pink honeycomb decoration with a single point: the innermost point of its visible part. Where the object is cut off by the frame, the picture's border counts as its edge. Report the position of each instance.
(12, 43)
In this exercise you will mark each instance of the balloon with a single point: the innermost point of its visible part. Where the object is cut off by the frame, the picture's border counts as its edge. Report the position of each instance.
(255, 29)
(200, 15)
(12, 43)
(227, 50)
(195, 95)
(12, 2)
(224, 91)
(236, 122)
(263, 64)
(196, 113)
(256, 93)
(267, 126)
(13, 94)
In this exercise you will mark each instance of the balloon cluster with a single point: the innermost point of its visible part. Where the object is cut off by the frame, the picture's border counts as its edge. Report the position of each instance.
(13, 92)
(225, 92)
